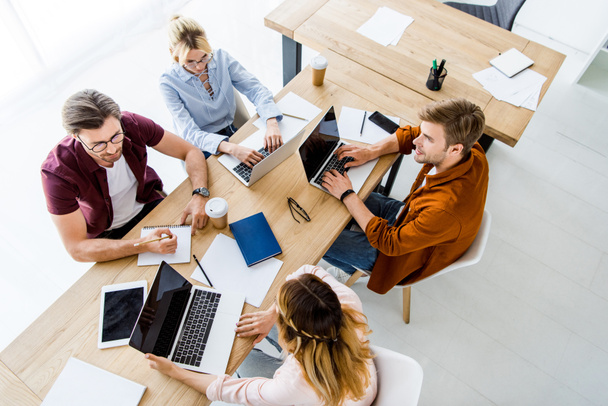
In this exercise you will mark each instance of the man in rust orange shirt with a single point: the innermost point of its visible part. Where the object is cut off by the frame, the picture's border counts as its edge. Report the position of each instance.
(404, 242)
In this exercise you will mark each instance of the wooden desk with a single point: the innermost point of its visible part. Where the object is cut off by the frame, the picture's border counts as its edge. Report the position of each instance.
(438, 31)
(69, 327)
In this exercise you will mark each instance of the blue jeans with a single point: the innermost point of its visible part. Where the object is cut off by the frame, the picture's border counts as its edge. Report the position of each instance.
(258, 363)
(228, 131)
(352, 248)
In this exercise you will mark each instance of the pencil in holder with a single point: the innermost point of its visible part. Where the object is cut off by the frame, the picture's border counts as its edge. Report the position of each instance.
(435, 81)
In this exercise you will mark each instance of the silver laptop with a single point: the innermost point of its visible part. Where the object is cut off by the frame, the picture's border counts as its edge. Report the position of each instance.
(249, 175)
(317, 154)
(191, 325)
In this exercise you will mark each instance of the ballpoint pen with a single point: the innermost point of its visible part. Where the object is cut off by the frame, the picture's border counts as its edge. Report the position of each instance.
(362, 124)
(199, 265)
(137, 244)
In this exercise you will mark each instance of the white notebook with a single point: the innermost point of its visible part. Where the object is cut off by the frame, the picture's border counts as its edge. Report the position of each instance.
(181, 256)
(84, 384)
(511, 62)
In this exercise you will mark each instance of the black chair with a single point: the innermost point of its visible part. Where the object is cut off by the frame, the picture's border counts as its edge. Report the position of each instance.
(501, 14)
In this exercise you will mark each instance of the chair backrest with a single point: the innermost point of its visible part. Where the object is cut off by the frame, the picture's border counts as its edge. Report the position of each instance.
(241, 115)
(399, 378)
(474, 253)
(502, 14)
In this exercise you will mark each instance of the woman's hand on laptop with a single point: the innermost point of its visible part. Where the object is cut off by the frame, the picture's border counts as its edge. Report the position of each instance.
(360, 154)
(272, 139)
(257, 323)
(248, 156)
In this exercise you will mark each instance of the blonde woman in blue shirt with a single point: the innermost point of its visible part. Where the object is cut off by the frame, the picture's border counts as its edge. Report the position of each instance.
(197, 90)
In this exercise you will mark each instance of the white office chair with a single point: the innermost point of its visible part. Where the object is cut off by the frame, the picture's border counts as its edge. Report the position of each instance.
(471, 256)
(241, 115)
(399, 378)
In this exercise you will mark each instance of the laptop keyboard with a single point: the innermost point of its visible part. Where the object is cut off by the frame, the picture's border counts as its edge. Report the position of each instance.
(334, 163)
(244, 171)
(193, 340)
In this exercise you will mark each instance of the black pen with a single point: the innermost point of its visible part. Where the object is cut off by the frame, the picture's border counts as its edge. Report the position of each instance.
(199, 265)
(440, 68)
(362, 124)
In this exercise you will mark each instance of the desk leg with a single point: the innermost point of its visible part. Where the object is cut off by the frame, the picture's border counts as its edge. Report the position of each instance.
(386, 190)
(292, 59)
(485, 141)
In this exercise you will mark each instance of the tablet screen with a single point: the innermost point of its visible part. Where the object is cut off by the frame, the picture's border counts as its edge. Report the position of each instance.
(120, 307)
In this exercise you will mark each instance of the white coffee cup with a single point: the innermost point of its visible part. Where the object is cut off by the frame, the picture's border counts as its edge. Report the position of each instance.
(319, 65)
(217, 210)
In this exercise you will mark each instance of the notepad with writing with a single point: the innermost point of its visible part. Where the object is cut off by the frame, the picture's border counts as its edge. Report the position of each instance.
(255, 238)
(181, 255)
(511, 62)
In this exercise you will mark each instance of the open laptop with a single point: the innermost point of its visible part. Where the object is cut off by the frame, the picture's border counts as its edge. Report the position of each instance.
(317, 154)
(249, 175)
(191, 325)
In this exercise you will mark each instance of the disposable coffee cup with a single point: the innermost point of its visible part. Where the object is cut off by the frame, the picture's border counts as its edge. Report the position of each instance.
(217, 210)
(318, 65)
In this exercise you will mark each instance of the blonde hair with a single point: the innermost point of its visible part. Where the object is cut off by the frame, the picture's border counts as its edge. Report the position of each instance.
(323, 337)
(185, 35)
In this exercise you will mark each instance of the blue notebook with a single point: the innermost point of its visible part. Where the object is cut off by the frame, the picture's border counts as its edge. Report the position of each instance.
(255, 238)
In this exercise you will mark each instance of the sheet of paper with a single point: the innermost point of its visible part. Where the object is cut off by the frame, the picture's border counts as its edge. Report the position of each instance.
(349, 126)
(181, 256)
(386, 26)
(294, 105)
(81, 383)
(227, 270)
(520, 90)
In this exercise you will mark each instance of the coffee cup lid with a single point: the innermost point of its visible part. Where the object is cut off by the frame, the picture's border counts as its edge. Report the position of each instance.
(319, 62)
(216, 207)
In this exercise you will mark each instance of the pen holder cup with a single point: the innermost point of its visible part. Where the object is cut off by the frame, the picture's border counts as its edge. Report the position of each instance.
(434, 82)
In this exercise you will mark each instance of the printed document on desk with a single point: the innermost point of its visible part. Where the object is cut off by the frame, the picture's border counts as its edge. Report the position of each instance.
(81, 383)
(386, 26)
(293, 105)
(522, 90)
(349, 126)
(227, 270)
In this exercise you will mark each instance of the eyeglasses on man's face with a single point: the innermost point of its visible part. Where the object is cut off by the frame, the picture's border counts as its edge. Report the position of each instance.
(294, 206)
(194, 64)
(101, 146)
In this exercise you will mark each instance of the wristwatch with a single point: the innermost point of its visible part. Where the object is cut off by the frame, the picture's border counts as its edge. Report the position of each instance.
(346, 193)
(203, 191)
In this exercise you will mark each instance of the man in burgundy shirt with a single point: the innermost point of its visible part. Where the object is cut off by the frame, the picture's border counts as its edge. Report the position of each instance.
(98, 185)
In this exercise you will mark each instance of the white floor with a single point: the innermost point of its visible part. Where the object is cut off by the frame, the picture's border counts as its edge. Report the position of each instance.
(526, 326)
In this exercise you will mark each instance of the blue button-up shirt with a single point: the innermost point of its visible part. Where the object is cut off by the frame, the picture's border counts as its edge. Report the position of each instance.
(197, 115)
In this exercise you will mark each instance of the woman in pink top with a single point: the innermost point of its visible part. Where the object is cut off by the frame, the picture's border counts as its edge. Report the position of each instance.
(321, 328)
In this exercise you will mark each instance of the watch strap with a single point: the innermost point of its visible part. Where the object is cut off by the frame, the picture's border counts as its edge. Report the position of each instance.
(346, 193)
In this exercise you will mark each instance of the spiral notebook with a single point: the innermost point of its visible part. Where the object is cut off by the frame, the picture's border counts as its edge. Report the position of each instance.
(181, 256)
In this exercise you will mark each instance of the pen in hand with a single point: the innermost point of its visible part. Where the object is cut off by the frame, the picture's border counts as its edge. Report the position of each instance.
(362, 124)
(199, 265)
(137, 244)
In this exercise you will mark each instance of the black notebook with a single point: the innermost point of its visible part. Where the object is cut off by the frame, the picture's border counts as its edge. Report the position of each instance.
(255, 238)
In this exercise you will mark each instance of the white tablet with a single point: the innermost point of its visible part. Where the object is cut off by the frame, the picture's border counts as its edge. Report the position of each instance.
(120, 307)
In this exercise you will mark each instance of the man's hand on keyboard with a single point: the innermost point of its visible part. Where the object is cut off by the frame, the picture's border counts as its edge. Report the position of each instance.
(336, 183)
(359, 154)
(246, 155)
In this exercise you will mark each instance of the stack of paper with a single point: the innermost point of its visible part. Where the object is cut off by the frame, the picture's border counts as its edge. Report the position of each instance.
(227, 270)
(386, 26)
(301, 112)
(522, 90)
